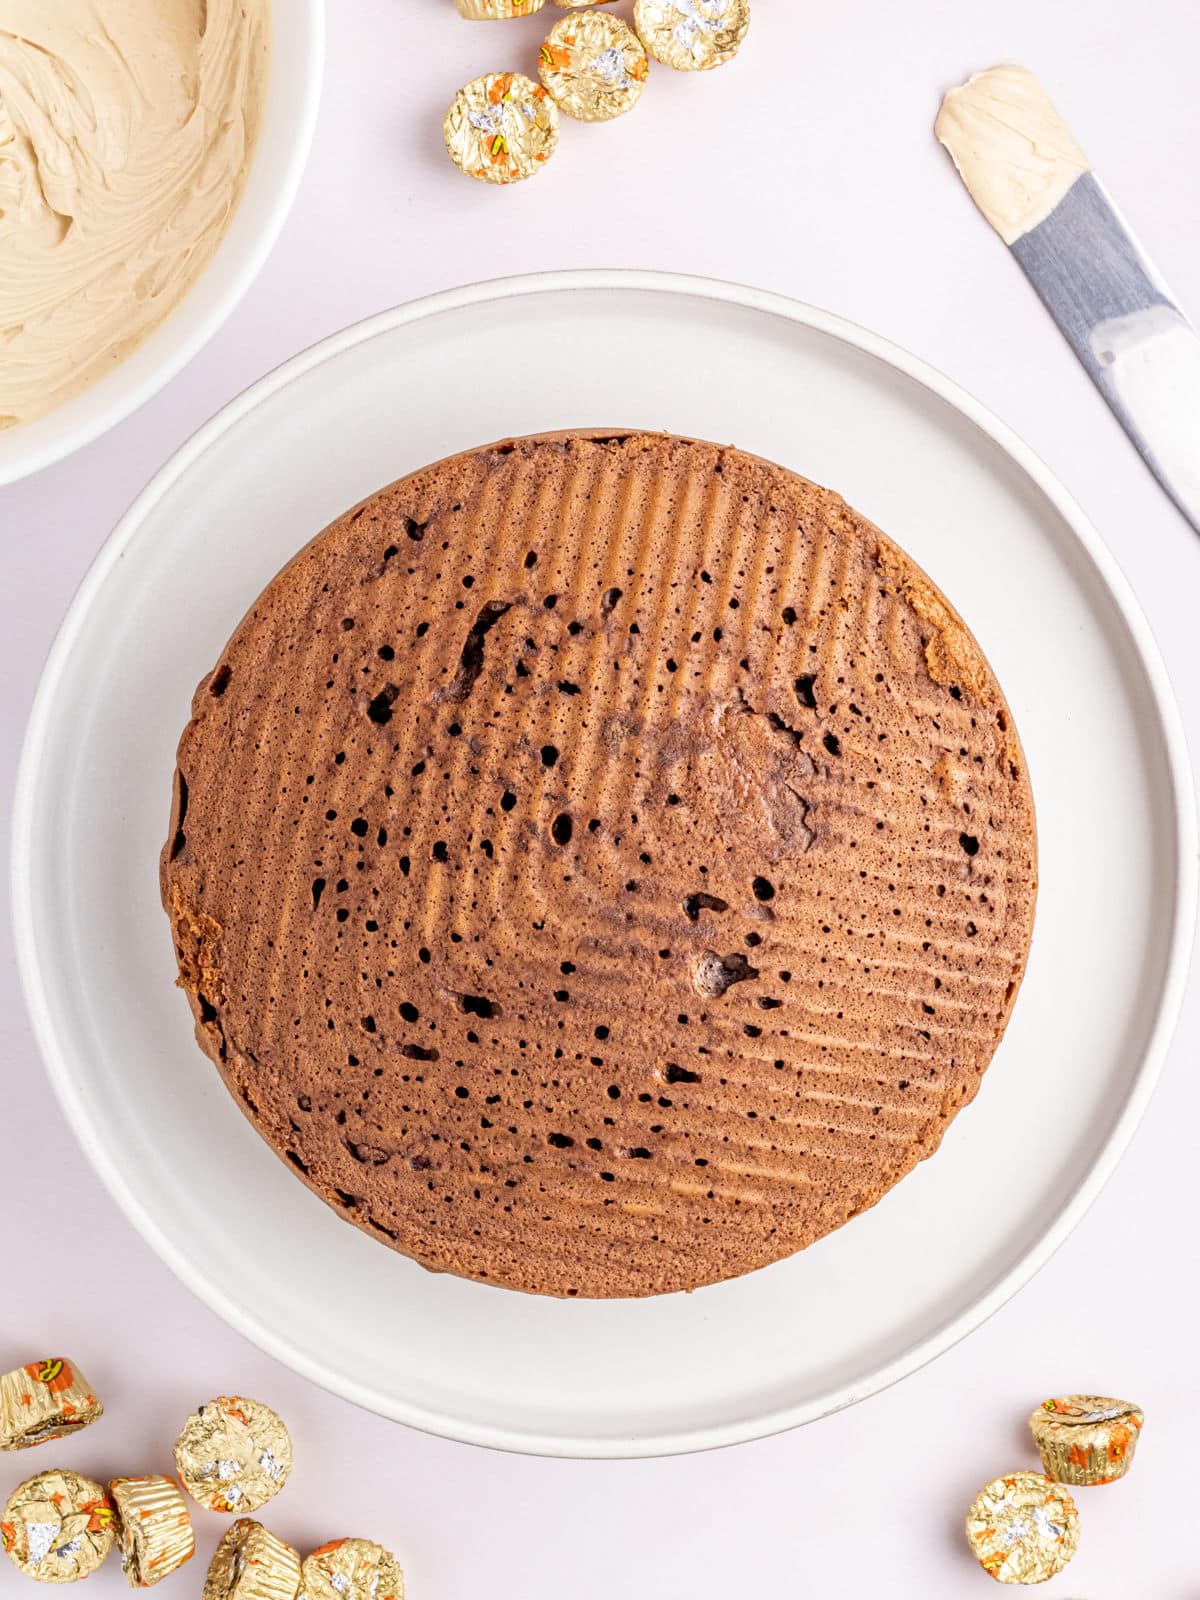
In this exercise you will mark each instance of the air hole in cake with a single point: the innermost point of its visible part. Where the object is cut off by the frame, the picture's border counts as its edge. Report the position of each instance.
(530, 560)
(219, 681)
(638, 1153)
(386, 653)
(296, 1162)
(805, 687)
(368, 1155)
(696, 903)
(179, 842)
(676, 1074)
(833, 744)
(969, 843)
(344, 1199)
(318, 889)
(414, 530)
(763, 890)
(477, 1005)
(560, 1141)
(507, 800)
(470, 661)
(610, 600)
(549, 755)
(561, 829)
(776, 722)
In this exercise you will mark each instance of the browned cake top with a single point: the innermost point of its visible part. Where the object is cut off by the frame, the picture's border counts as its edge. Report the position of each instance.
(601, 866)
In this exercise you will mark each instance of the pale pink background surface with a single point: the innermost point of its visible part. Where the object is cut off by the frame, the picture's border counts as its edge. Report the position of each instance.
(809, 168)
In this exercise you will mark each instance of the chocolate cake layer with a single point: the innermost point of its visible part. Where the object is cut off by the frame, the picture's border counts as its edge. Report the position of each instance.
(601, 865)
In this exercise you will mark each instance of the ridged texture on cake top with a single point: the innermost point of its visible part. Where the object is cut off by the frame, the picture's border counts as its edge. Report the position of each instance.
(601, 865)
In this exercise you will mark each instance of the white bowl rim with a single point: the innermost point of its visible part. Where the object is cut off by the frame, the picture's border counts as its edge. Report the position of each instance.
(304, 96)
(1186, 843)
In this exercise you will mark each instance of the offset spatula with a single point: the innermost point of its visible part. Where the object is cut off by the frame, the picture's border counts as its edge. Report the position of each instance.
(1028, 176)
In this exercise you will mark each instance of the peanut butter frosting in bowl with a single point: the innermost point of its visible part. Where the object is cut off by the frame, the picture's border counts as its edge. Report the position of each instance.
(149, 152)
(126, 131)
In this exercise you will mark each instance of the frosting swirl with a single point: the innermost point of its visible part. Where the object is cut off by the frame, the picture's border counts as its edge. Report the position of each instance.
(126, 132)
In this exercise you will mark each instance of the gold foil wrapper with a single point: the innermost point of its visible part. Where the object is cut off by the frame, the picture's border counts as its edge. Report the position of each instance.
(58, 1527)
(497, 10)
(233, 1454)
(501, 128)
(692, 35)
(351, 1569)
(594, 66)
(1086, 1439)
(1023, 1528)
(578, 5)
(154, 1530)
(45, 1400)
(252, 1564)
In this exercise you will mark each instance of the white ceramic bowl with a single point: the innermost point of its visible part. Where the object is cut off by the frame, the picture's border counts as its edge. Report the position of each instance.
(290, 114)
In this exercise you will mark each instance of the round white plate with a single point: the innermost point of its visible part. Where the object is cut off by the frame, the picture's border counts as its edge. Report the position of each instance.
(1118, 850)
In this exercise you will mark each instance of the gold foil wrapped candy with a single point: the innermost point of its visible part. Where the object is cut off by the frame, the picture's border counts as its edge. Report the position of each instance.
(154, 1531)
(692, 35)
(252, 1564)
(497, 10)
(233, 1454)
(351, 1569)
(1023, 1528)
(1086, 1439)
(45, 1400)
(58, 1527)
(501, 128)
(578, 5)
(594, 67)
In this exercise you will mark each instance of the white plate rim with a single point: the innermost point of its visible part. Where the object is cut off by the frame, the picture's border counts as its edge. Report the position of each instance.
(1186, 845)
(307, 96)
